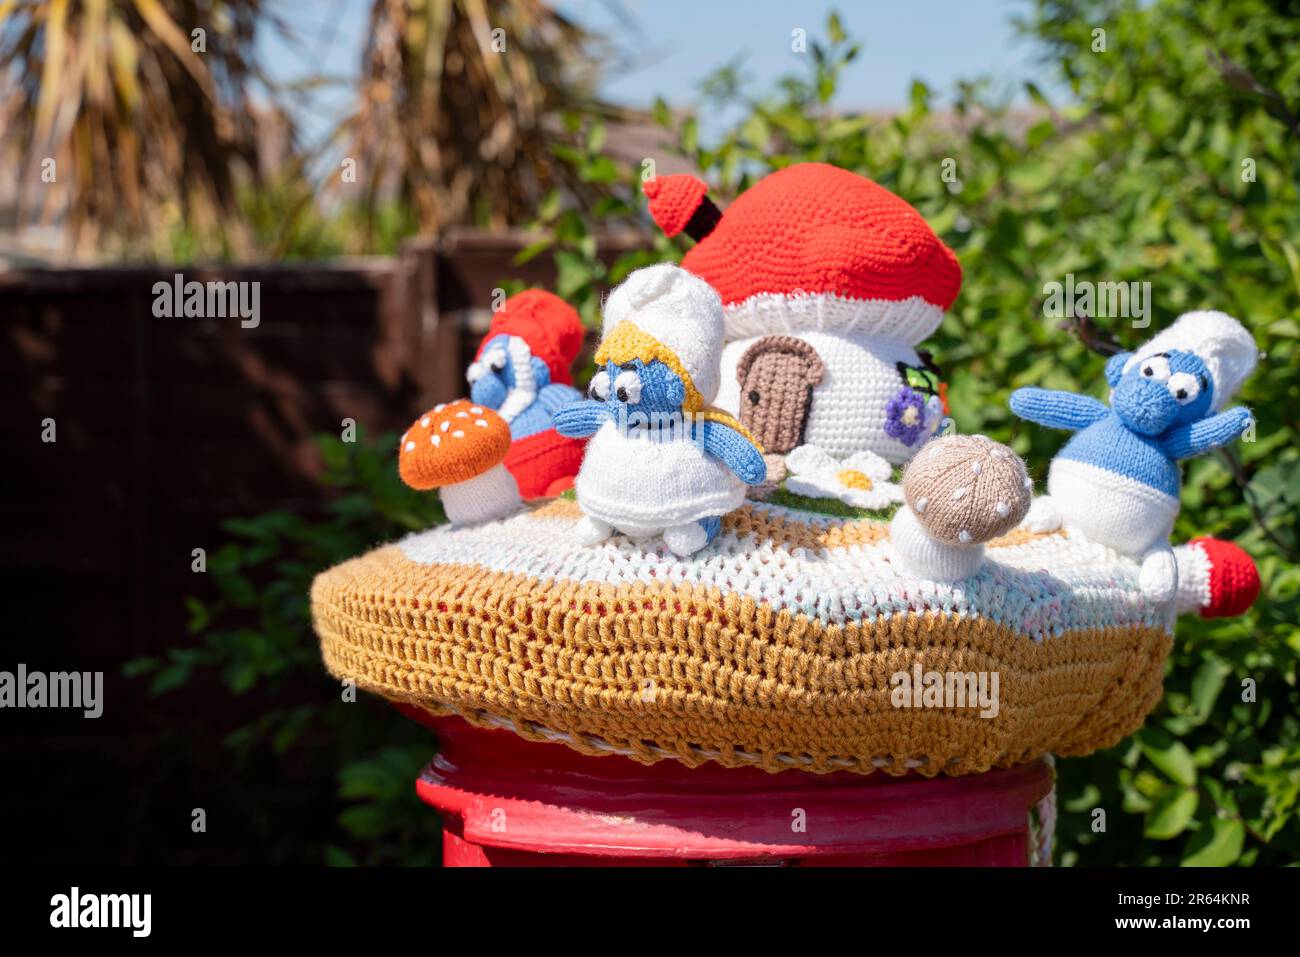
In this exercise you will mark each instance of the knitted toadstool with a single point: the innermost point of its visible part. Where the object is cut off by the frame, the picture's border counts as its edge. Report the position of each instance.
(961, 491)
(458, 448)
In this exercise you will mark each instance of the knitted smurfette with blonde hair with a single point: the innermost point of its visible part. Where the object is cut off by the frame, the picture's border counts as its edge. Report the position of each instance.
(660, 460)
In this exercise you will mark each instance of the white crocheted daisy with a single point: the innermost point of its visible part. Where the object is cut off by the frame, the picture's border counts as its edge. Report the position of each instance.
(861, 480)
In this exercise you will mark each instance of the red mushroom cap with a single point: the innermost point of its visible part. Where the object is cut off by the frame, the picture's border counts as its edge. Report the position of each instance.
(452, 443)
(809, 229)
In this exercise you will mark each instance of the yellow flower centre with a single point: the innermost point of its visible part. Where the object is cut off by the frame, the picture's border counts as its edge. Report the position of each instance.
(852, 478)
(909, 415)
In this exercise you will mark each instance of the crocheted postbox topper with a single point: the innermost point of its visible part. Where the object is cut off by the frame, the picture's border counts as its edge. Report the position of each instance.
(779, 646)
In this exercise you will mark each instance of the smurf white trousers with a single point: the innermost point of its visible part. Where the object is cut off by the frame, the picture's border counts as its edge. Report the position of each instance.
(1111, 509)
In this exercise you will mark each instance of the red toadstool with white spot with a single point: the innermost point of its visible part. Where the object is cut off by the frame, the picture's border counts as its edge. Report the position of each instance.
(458, 448)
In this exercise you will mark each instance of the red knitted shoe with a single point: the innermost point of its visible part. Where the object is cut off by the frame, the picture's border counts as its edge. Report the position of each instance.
(1215, 578)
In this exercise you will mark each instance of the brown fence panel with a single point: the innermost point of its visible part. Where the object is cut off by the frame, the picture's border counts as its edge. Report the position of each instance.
(167, 426)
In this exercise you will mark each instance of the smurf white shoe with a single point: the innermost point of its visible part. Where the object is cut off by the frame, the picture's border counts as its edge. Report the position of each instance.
(686, 540)
(1043, 515)
(592, 531)
(1158, 578)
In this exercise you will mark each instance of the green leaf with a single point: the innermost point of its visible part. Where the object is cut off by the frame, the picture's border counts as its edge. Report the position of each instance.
(1217, 844)
(1169, 755)
(690, 135)
(199, 615)
(1206, 685)
(1039, 133)
(1170, 813)
(339, 857)
(137, 667)
(835, 28)
(661, 113)
(920, 97)
(600, 169)
(533, 250)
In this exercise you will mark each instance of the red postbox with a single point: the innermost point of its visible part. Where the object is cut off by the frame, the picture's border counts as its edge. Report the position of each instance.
(506, 801)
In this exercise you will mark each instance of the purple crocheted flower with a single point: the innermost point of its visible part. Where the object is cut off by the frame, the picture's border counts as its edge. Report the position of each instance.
(905, 416)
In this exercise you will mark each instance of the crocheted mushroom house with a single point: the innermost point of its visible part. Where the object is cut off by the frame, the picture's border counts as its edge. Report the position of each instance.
(828, 257)
(459, 449)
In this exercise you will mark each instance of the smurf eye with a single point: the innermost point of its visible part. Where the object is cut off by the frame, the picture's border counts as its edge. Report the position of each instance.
(1184, 387)
(1156, 367)
(496, 360)
(628, 387)
(599, 388)
(476, 371)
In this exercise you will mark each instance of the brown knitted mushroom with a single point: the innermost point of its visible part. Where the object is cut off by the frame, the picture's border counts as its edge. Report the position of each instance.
(966, 489)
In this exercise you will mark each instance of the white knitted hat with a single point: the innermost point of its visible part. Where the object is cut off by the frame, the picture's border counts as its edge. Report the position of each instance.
(680, 312)
(1223, 344)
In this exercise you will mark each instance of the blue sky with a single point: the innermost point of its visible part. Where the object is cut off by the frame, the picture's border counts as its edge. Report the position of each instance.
(676, 43)
(939, 41)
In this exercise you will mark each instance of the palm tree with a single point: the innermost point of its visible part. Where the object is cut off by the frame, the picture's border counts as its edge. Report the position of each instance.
(130, 116)
(466, 108)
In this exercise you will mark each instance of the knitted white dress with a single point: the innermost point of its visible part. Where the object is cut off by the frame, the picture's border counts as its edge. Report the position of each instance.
(642, 484)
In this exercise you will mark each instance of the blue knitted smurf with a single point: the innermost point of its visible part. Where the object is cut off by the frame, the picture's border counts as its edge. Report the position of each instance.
(522, 368)
(660, 461)
(1117, 479)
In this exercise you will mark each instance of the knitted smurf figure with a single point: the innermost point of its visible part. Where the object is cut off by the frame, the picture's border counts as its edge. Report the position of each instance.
(522, 372)
(660, 460)
(1117, 479)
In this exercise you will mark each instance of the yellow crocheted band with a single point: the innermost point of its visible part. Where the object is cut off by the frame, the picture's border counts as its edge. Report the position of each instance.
(696, 673)
(628, 342)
